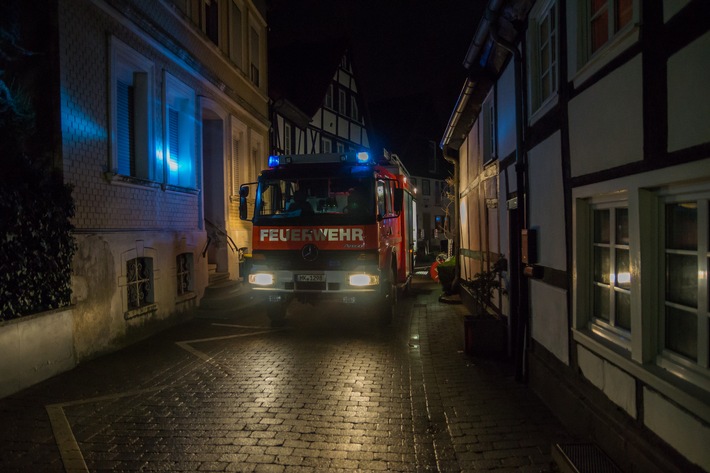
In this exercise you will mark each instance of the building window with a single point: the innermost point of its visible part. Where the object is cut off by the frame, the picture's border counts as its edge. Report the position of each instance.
(139, 273)
(287, 138)
(184, 264)
(326, 145)
(131, 96)
(685, 313)
(254, 55)
(437, 192)
(329, 97)
(607, 18)
(210, 20)
(426, 190)
(489, 128)
(235, 34)
(342, 103)
(611, 278)
(354, 112)
(339, 147)
(180, 155)
(543, 52)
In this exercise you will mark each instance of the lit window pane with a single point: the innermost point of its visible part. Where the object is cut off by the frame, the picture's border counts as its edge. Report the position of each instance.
(682, 332)
(624, 13)
(601, 302)
(601, 226)
(622, 226)
(623, 272)
(681, 226)
(600, 31)
(623, 310)
(601, 265)
(682, 279)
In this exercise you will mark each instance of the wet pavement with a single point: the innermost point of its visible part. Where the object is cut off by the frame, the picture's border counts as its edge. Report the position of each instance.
(331, 390)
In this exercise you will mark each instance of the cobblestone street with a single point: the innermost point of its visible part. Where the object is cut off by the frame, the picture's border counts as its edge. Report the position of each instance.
(329, 391)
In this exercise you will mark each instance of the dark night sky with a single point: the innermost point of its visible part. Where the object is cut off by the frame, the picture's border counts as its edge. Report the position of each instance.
(402, 47)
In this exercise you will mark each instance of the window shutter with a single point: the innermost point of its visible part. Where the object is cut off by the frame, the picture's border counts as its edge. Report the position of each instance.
(125, 136)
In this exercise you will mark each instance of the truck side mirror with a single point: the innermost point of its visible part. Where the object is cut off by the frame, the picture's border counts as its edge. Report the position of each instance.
(243, 193)
(398, 200)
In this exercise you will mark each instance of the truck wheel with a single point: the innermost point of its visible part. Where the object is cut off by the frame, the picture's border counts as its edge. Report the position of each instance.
(277, 314)
(388, 304)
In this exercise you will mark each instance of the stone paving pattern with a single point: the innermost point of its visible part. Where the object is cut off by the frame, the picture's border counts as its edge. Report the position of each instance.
(330, 391)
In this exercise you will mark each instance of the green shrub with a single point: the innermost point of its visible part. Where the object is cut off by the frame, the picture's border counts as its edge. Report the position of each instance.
(36, 207)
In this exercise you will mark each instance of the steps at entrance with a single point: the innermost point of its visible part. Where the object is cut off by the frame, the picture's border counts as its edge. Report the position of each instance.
(223, 297)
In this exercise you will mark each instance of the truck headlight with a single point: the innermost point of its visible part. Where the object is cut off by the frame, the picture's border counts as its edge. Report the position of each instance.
(361, 280)
(261, 279)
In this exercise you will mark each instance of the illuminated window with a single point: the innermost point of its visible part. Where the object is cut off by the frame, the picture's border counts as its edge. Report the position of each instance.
(184, 265)
(235, 33)
(179, 150)
(542, 38)
(607, 17)
(139, 273)
(131, 118)
(611, 278)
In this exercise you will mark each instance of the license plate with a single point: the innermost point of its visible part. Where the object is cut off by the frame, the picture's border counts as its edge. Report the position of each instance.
(310, 278)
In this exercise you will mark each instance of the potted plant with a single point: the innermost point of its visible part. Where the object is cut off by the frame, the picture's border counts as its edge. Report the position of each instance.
(485, 332)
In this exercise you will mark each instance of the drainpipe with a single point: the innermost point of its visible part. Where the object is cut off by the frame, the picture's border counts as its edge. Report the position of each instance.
(521, 324)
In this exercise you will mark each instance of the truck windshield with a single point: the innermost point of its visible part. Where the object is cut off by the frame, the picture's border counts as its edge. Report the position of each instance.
(334, 200)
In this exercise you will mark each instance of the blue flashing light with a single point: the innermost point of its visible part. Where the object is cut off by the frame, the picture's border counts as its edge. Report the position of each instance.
(273, 161)
(363, 157)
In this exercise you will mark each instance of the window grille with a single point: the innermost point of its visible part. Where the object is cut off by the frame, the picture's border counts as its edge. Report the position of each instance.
(184, 273)
(139, 272)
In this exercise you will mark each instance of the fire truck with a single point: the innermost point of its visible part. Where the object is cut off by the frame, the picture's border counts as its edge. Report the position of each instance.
(336, 226)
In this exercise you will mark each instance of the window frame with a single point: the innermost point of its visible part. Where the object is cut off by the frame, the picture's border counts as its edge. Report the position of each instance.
(342, 102)
(184, 273)
(697, 371)
(236, 33)
(328, 102)
(237, 157)
(184, 101)
(539, 105)
(645, 191)
(288, 130)
(608, 329)
(125, 62)
(588, 63)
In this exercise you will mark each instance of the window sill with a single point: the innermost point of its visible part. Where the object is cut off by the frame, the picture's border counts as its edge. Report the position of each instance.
(687, 395)
(545, 107)
(606, 54)
(130, 181)
(185, 297)
(140, 311)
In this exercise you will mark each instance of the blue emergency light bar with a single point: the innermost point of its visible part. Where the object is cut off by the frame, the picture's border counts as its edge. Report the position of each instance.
(360, 157)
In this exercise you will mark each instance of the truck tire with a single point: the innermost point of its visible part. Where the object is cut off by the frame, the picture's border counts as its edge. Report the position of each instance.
(276, 313)
(388, 303)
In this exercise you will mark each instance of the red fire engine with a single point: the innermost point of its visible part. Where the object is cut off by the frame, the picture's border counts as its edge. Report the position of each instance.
(337, 226)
